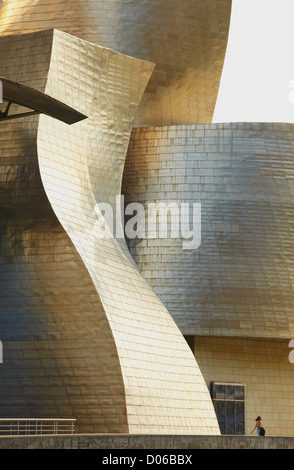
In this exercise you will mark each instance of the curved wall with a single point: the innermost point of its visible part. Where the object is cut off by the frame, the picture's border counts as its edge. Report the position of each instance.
(91, 339)
(60, 358)
(186, 40)
(239, 282)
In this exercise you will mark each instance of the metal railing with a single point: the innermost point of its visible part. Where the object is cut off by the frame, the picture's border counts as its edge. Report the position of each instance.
(34, 426)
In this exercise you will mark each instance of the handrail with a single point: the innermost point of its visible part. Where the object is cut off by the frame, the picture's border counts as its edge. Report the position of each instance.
(33, 426)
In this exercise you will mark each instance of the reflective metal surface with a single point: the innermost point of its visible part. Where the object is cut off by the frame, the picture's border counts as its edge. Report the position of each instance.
(239, 282)
(84, 335)
(185, 39)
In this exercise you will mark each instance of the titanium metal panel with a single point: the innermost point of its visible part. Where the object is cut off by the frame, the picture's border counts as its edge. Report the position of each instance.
(186, 40)
(239, 282)
(83, 334)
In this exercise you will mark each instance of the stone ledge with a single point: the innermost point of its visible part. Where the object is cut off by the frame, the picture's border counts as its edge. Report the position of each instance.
(131, 441)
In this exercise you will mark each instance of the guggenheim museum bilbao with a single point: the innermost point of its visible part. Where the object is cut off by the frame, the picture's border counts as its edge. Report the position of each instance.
(107, 111)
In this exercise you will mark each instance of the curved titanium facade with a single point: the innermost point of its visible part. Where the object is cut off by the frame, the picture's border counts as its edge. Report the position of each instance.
(83, 334)
(239, 282)
(186, 40)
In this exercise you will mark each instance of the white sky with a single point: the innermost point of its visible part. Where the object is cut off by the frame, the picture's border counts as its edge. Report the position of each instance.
(259, 66)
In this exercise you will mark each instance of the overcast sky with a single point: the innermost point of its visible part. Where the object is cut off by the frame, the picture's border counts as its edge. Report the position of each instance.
(258, 74)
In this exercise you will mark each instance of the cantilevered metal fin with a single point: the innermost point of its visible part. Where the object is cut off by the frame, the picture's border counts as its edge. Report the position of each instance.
(39, 103)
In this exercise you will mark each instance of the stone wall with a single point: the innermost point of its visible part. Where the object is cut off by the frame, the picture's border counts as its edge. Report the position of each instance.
(110, 441)
(263, 367)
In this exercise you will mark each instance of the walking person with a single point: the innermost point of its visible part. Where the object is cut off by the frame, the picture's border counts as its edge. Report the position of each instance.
(259, 427)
